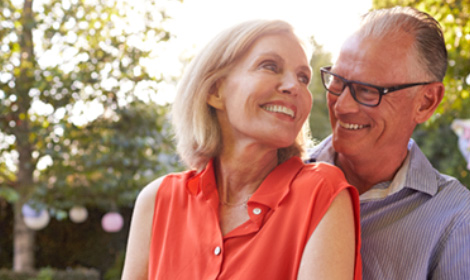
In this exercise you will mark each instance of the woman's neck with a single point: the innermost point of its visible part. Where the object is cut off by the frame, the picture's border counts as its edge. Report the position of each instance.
(239, 174)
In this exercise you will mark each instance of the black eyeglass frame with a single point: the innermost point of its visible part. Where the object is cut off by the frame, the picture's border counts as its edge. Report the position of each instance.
(348, 83)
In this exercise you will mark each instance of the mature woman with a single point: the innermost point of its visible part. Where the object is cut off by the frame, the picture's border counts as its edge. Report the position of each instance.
(249, 208)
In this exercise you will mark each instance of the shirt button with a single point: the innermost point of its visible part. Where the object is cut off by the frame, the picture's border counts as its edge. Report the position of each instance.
(257, 211)
(217, 251)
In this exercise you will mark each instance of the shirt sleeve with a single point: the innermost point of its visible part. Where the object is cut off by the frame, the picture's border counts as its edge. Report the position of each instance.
(454, 260)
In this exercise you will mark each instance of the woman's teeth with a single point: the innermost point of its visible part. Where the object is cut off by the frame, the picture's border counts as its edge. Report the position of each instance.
(279, 109)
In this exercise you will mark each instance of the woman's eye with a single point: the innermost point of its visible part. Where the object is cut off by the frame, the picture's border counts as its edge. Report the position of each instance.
(304, 79)
(270, 65)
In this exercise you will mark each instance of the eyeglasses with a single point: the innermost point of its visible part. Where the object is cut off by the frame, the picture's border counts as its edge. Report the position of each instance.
(363, 93)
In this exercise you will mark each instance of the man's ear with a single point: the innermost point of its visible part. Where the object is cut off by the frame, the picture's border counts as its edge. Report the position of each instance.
(215, 97)
(430, 98)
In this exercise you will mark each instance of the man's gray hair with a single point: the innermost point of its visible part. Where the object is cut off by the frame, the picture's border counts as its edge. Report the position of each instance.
(430, 48)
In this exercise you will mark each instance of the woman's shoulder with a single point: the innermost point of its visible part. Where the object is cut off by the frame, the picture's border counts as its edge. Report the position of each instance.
(325, 169)
(148, 193)
(166, 184)
(321, 178)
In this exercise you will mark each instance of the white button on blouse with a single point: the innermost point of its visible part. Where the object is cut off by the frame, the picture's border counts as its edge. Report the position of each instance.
(257, 211)
(217, 251)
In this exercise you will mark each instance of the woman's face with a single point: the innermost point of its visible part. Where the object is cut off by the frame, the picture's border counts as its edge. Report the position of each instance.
(265, 98)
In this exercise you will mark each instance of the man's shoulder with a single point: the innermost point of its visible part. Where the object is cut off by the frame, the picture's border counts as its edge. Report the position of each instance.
(423, 176)
(452, 200)
(454, 191)
(322, 152)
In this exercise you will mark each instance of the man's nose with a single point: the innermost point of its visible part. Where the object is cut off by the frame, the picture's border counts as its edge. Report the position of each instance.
(345, 103)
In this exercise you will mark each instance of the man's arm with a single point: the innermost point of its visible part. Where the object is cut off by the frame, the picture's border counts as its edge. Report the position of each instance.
(454, 258)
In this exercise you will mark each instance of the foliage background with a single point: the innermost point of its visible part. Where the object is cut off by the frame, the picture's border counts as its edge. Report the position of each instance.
(66, 245)
(79, 121)
(319, 119)
(102, 162)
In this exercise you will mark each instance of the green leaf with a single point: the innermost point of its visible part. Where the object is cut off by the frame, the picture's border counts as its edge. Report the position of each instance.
(9, 194)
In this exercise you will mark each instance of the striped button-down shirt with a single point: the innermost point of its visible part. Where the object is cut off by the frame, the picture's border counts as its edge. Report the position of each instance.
(416, 226)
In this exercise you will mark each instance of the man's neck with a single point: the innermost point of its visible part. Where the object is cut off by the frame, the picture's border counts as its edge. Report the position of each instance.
(364, 174)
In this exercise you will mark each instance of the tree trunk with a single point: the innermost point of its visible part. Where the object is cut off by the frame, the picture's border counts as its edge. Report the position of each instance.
(24, 237)
(23, 257)
(23, 240)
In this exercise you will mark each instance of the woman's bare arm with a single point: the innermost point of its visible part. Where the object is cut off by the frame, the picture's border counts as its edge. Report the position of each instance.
(138, 244)
(330, 251)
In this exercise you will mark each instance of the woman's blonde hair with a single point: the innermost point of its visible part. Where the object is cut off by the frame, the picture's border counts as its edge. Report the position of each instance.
(197, 130)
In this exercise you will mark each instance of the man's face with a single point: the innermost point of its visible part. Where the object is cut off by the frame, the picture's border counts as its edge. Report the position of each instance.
(368, 133)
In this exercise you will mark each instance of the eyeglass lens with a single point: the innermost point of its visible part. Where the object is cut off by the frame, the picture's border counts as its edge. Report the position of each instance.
(361, 93)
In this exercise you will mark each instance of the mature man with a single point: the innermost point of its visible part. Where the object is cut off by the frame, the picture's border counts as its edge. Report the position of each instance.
(386, 80)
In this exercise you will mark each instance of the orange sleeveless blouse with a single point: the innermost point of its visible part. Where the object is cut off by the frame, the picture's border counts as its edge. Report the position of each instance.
(187, 242)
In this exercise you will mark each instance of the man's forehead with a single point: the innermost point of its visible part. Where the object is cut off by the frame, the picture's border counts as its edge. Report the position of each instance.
(372, 56)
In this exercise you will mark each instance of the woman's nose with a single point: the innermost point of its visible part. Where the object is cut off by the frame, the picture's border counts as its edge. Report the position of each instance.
(289, 83)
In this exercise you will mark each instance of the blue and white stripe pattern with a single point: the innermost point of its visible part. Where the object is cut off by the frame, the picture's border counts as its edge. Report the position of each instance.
(420, 229)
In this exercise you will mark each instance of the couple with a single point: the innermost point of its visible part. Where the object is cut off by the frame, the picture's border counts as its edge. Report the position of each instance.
(250, 208)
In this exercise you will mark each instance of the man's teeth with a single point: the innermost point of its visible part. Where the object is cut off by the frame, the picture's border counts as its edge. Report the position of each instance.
(279, 109)
(351, 126)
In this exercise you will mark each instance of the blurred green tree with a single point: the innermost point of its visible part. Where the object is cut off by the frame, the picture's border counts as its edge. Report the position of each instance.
(319, 118)
(79, 122)
(435, 137)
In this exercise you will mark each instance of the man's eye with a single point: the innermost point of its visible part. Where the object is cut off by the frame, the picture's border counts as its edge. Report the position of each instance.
(365, 90)
(336, 81)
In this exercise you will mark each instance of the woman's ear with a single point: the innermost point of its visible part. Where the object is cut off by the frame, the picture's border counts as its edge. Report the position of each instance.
(215, 98)
(429, 100)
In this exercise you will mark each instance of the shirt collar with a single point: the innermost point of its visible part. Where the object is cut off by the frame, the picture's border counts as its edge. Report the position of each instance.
(276, 185)
(203, 182)
(385, 189)
(421, 174)
(415, 173)
(271, 191)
